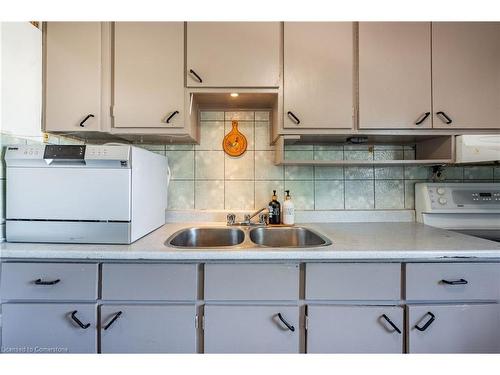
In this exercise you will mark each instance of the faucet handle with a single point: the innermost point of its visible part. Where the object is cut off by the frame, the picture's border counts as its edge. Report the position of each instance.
(263, 218)
(231, 219)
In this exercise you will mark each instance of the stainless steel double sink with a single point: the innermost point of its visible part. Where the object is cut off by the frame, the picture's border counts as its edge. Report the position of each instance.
(246, 237)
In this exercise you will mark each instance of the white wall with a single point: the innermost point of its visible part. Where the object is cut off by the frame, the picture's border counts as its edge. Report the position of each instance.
(21, 79)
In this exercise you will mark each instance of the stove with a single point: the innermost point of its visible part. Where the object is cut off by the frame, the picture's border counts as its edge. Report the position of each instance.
(470, 208)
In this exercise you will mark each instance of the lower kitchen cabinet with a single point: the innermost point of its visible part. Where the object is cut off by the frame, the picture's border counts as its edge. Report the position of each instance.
(148, 328)
(251, 329)
(354, 329)
(473, 328)
(49, 328)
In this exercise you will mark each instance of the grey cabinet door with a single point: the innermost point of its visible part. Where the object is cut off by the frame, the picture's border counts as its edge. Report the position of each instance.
(251, 329)
(466, 74)
(233, 54)
(148, 328)
(318, 74)
(148, 84)
(48, 328)
(454, 328)
(72, 76)
(395, 75)
(354, 329)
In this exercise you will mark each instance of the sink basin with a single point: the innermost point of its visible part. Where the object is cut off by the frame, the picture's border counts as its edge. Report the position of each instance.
(206, 237)
(288, 237)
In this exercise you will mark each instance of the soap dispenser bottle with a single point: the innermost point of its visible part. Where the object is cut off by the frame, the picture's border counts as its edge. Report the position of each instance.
(274, 210)
(288, 210)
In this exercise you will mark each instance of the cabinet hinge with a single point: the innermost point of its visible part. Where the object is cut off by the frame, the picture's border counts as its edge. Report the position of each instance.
(199, 321)
(306, 322)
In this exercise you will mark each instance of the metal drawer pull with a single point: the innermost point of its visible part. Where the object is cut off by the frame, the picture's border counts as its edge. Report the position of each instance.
(196, 75)
(171, 116)
(429, 322)
(442, 115)
(295, 118)
(454, 282)
(117, 315)
(53, 282)
(85, 119)
(391, 323)
(78, 321)
(288, 325)
(422, 118)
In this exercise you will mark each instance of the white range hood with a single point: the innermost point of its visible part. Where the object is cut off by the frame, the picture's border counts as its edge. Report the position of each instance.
(477, 148)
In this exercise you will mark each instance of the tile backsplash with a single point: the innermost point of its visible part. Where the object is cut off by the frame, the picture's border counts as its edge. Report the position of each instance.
(205, 178)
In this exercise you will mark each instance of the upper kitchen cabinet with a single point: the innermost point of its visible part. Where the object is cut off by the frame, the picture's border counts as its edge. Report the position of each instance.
(72, 76)
(233, 54)
(395, 75)
(318, 75)
(466, 74)
(148, 85)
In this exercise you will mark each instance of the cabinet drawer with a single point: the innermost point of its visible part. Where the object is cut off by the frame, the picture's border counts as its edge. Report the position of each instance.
(252, 282)
(251, 329)
(149, 282)
(428, 281)
(49, 281)
(353, 281)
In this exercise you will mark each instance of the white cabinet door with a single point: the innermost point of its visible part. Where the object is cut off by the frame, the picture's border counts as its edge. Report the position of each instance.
(354, 329)
(454, 328)
(395, 75)
(73, 76)
(148, 329)
(466, 74)
(233, 54)
(148, 75)
(318, 75)
(49, 328)
(251, 329)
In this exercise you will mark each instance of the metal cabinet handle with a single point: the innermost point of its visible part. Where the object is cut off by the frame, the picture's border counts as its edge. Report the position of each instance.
(429, 322)
(288, 325)
(78, 321)
(85, 119)
(295, 118)
(422, 118)
(196, 75)
(442, 115)
(117, 315)
(41, 282)
(454, 282)
(391, 323)
(171, 116)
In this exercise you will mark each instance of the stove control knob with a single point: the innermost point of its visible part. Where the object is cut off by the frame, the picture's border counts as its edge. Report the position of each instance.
(442, 200)
(440, 191)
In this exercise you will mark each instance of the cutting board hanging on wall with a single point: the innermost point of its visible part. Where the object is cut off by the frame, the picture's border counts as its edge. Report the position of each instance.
(234, 143)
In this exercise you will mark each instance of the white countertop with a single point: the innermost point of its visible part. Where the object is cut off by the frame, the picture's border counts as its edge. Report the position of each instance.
(351, 241)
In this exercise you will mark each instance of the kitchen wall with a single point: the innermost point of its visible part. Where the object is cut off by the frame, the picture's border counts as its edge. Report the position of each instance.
(205, 178)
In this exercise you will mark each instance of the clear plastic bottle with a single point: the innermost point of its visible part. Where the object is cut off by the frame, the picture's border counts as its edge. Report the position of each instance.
(288, 210)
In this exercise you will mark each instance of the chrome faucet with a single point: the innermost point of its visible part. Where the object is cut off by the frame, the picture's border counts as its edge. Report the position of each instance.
(247, 221)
